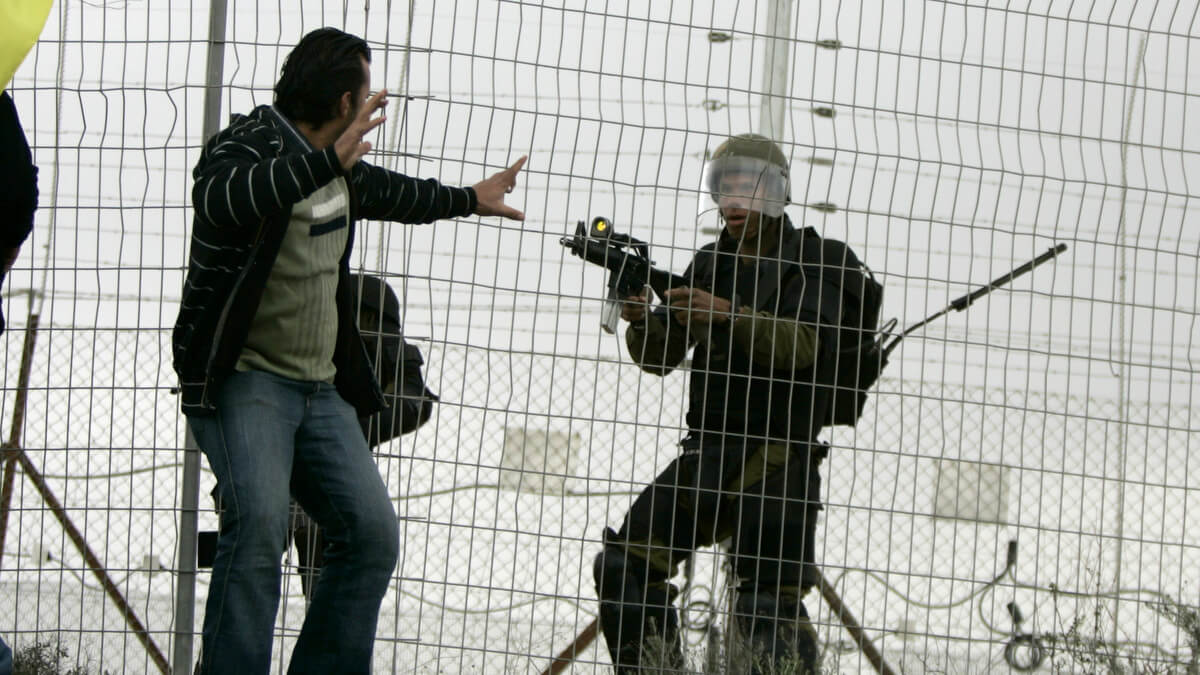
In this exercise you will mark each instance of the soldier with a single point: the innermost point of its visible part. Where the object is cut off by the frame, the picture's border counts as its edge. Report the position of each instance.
(763, 317)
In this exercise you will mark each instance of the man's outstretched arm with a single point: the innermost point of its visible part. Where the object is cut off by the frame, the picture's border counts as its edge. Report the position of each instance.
(388, 195)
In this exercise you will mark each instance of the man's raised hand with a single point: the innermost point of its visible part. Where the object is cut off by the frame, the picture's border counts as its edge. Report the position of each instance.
(350, 146)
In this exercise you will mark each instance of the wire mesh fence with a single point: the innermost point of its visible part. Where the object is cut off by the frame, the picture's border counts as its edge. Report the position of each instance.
(945, 142)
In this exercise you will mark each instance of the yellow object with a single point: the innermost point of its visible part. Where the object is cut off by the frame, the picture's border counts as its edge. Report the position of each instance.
(21, 22)
(599, 227)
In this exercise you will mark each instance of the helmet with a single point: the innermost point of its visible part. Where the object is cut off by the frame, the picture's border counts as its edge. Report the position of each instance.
(757, 157)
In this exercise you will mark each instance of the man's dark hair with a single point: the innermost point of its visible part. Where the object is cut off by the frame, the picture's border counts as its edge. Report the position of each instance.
(319, 70)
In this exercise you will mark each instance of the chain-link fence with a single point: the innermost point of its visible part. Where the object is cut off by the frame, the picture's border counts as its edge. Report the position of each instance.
(1021, 485)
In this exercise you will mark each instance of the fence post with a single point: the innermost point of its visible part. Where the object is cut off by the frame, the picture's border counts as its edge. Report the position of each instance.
(8, 452)
(189, 498)
(185, 583)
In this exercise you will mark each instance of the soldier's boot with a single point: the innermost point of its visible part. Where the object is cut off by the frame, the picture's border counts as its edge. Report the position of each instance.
(778, 634)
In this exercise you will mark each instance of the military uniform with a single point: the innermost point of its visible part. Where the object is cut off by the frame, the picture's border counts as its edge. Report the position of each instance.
(748, 470)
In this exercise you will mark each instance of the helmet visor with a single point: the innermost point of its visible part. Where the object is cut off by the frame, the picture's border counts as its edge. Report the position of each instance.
(747, 183)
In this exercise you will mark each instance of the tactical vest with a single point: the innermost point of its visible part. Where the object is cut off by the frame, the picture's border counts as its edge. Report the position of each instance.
(834, 389)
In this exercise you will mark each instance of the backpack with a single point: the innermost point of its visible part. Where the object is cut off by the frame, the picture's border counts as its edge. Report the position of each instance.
(859, 357)
(397, 363)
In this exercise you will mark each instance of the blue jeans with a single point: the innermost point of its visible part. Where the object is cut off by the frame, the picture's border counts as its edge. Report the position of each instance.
(6, 659)
(272, 437)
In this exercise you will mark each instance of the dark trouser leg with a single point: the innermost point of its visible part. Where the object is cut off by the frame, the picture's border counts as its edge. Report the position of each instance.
(774, 564)
(673, 516)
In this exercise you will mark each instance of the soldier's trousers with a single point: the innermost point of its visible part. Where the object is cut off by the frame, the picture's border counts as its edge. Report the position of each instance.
(763, 498)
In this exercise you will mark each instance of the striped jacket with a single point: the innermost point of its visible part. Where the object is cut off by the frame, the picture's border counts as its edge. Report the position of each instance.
(247, 180)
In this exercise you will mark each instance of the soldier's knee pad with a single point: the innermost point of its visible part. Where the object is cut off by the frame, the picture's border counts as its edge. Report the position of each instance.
(622, 584)
(632, 612)
(614, 578)
(621, 574)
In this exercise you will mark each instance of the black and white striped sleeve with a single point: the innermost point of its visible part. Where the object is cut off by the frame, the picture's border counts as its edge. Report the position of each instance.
(240, 179)
(387, 195)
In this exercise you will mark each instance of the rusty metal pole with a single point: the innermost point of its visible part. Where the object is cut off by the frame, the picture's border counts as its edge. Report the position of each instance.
(874, 656)
(6, 490)
(568, 655)
(93, 563)
(9, 451)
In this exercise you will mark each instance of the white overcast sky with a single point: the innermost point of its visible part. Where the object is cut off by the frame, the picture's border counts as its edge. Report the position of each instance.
(966, 139)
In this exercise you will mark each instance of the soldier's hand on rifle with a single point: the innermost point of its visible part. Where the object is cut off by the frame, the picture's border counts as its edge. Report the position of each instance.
(634, 307)
(698, 307)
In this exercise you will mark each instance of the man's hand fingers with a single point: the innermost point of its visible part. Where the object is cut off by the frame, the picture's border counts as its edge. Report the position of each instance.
(492, 189)
(374, 103)
(509, 212)
(516, 166)
(508, 177)
(370, 124)
(359, 152)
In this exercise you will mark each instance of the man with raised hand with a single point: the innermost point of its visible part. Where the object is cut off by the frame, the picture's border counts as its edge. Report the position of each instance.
(762, 318)
(271, 366)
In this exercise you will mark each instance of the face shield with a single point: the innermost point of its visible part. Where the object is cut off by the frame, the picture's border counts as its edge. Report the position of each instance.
(747, 183)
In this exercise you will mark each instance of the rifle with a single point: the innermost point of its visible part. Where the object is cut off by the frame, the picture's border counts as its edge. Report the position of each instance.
(628, 262)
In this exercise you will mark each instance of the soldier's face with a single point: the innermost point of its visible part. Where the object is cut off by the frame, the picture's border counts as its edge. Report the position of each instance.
(740, 202)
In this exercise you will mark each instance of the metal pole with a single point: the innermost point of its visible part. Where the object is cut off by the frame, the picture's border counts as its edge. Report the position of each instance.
(216, 68)
(580, 643)
(185, 583)
(1124, 359)
(868, 648)
(8, 452)
(91, 560)
(777, 69)
(189, 498)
